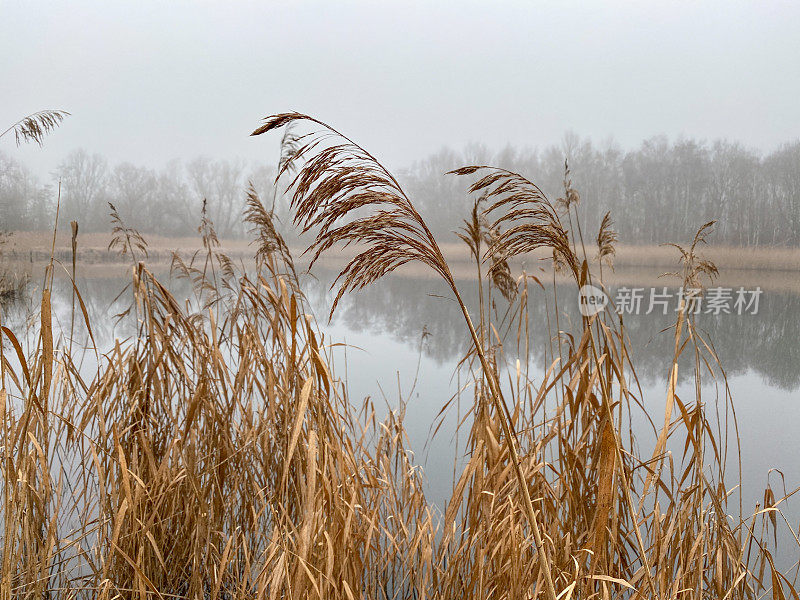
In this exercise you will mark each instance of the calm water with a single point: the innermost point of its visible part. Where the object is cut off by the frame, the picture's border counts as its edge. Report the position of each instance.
(760, 354)
(387, 358)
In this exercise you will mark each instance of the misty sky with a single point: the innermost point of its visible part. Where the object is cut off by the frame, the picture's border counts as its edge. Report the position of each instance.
(151, 81)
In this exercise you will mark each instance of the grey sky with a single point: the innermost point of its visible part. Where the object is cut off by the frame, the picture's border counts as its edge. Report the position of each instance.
(150, 81)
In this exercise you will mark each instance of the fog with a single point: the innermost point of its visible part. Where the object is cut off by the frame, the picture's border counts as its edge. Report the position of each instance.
(147, 82)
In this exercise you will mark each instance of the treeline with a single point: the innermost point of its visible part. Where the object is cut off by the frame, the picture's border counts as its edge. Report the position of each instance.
(166, 201)
(660, 191)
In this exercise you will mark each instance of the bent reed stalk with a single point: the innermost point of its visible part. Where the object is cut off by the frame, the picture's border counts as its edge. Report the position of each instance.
(336, 182)
(215, 454)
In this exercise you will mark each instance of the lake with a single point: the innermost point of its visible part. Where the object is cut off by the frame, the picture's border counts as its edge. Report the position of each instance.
(402, 339)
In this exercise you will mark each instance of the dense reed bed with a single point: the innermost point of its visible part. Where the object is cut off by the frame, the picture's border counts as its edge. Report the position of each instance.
(215, 453)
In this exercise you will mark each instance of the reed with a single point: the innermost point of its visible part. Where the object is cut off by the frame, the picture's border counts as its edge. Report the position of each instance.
(35, 126)
(215, 453)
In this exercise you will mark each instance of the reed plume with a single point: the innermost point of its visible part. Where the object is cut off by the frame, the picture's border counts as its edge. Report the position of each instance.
(694, 265)
(606, 241)
(36, 126)
(338, 180)
(531, 220)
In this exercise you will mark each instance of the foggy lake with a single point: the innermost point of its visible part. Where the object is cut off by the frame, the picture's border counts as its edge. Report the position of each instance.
(423, 300)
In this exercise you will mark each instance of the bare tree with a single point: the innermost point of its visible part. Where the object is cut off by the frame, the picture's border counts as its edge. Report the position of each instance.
(84, 181)
(221, 183)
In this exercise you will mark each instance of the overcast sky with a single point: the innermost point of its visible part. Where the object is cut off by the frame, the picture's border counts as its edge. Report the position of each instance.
(151, 81)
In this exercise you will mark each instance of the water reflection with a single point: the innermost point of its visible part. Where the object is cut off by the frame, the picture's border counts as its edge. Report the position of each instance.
(767, 343)
(400, 308)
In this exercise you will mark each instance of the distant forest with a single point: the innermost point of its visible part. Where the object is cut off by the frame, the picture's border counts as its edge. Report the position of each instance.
(661, 191)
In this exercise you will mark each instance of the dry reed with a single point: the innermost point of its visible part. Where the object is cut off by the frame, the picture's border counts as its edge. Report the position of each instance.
(215, 454)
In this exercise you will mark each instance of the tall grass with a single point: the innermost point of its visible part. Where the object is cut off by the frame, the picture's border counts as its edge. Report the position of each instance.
(215, 453)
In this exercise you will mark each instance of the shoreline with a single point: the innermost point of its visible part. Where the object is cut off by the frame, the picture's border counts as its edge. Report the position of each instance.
(26, 253)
